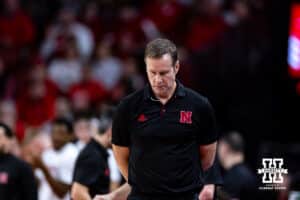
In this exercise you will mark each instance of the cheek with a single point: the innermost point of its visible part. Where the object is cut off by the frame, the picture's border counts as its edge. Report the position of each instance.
(170, 78)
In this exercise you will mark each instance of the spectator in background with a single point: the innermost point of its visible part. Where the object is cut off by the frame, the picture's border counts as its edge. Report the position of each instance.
(91, 18)
(91, 174)
(166, 15)
(107, 69)
(63, 108)
(206, 27)
(67, 26)
(16, 31)
(239, 180)
(130, 81)
(38, 73)
(129, 35)
(131, 73)
(16, 177)
(237, 13)
(36, 97)
(55, 166)
(87, 93)
(66, 71)
(36, 106)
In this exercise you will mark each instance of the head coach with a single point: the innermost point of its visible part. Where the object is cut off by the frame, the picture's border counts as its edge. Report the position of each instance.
(164, 136)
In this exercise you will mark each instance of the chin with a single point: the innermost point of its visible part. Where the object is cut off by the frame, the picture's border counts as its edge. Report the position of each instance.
(160, 93)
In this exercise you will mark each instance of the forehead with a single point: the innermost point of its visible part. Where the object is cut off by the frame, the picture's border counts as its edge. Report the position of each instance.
(158, 63)
(82, 121)
(59, 127)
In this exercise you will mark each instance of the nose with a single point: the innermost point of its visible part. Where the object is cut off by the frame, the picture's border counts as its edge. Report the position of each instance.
(158, 78)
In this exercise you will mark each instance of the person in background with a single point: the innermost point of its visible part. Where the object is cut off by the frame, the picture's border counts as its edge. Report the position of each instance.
(91, 174)
(55, 166)
(239, 180)
(17, 181)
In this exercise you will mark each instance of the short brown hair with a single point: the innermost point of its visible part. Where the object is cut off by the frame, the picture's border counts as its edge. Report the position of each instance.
(159, 47)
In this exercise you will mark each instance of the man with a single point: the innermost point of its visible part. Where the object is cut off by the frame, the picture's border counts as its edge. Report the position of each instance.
(55, 167)
(82, 130)
(164, 137)
(16, 177)
(91, 174)
(239, 180)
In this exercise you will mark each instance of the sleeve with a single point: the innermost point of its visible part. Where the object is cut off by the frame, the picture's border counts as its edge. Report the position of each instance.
(207, 124)
(28, 182)
(120, 132)
(213, 174)
(87, 170)
(115, 174)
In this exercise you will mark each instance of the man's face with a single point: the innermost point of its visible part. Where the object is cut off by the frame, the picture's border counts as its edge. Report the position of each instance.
(59, 136)
(4, 141)
(83, 130)
(161, 74)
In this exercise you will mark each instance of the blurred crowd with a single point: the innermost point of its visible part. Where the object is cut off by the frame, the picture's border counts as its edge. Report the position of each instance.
(64, 58)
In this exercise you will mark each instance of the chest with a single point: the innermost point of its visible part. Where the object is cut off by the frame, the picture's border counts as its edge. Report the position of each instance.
(171, 122)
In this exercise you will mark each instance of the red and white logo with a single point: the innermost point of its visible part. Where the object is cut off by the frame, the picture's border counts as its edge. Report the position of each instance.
(3, 178)
(186, 117)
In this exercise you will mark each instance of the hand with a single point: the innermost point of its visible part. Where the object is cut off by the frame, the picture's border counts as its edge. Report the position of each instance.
(207, 192)
(37, 162)
(104, 197)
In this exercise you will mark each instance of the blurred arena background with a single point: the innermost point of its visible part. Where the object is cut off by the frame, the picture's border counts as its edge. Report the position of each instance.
(63, 58)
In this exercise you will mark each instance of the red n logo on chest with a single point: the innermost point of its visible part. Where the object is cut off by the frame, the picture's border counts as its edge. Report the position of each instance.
(186, 117)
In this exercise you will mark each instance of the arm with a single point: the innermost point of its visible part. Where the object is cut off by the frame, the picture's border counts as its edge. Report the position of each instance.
(113, 185)
(58, 187)
(122, 157)
(207, 156)
(80, 192)
(120, 194)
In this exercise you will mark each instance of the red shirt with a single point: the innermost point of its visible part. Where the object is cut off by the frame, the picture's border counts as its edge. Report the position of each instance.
(93, 91)
(202, 32)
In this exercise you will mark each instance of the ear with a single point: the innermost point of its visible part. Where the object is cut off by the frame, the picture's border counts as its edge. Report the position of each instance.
(177, 66)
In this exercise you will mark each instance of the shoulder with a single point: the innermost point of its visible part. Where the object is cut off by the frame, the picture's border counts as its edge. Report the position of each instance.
(196, 98)
(87, 151)
(89, 155)
(70, 148)
(20, 164)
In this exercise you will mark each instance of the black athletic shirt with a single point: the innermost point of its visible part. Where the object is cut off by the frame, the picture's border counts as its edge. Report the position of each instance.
(17, 181)
(164, 140)
(91, 168)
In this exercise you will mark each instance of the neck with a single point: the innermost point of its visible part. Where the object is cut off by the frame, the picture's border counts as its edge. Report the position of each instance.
(165, 99)
(234, 160)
